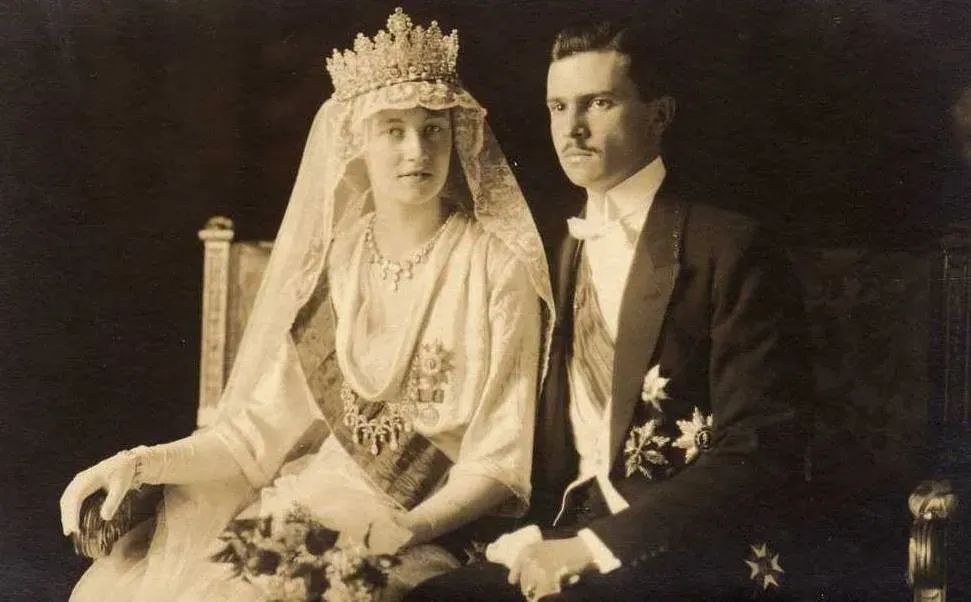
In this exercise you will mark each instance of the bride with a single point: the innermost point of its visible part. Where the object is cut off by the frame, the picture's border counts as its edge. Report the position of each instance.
(403, 316)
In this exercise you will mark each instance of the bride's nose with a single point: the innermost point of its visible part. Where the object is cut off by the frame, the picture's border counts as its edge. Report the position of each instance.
(414, 147)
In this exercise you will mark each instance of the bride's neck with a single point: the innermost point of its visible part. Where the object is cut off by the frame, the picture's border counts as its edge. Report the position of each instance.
(399, 229)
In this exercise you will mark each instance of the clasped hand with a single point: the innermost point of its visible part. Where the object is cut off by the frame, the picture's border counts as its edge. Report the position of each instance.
(543, 568)
(382, 534)
(116, 475)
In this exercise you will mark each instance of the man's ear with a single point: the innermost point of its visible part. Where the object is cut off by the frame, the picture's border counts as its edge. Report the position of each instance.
(664, 109)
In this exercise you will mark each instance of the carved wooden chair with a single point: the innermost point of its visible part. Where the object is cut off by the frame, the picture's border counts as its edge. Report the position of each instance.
(231, 278)
(891, 348)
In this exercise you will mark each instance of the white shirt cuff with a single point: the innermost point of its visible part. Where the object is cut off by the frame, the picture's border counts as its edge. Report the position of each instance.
(506, 549)
(603, 558)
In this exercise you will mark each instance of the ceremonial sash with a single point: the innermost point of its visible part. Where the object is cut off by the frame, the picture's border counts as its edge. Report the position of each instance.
(593, 348)
(408, 474)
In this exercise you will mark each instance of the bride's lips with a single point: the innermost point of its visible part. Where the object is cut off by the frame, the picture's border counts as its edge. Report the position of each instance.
(415, 175)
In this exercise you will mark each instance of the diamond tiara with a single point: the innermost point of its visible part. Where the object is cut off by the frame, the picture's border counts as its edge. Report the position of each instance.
(402, 53)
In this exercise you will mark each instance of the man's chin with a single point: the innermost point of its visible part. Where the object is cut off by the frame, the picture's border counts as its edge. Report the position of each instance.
(580, 176)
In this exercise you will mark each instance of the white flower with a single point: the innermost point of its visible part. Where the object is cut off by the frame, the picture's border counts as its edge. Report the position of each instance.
(766, 570)
(642, 450)
(277, 500)
(276, 587)
(695, 435)
(652, 392)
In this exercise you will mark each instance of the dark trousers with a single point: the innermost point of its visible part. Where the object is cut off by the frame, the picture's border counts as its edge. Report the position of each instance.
(486, 582)
(716, 572)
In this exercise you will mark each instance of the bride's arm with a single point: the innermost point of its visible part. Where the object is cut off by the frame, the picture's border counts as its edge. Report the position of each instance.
(460, 501)
(199, 457)
(495, 457)
(250, 443)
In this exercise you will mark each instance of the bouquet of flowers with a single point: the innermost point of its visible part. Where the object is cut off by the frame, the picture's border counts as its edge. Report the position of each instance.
(294, 558)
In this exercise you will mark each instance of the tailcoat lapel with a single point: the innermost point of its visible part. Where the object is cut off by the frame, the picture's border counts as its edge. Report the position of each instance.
(650, 283)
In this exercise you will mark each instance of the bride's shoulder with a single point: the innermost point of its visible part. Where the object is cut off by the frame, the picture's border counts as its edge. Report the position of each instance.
(347, 238)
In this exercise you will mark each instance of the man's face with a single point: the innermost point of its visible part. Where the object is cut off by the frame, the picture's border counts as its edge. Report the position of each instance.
(602, 129)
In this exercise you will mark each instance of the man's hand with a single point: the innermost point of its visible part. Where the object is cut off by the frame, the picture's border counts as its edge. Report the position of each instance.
(544, 567)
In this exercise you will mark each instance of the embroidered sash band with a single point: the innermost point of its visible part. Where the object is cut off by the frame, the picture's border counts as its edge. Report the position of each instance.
(408, 471)
(593, 348)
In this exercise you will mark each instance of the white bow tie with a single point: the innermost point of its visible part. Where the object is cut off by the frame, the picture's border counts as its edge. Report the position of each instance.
(589, 229)
(593, 228)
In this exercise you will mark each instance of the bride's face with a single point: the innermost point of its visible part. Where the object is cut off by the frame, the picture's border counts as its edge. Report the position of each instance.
(407, 154)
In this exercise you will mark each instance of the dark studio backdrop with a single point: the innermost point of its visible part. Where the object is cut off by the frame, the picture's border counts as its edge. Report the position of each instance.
(124, 125)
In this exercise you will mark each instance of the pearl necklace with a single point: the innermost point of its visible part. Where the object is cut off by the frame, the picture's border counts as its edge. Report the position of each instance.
(396, 270)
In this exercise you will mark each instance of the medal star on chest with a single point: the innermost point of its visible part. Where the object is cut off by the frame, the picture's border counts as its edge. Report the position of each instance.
(424, 389)
(430, 370)
(653, 390)
(645, 450)
(696, 435)
(648, 449)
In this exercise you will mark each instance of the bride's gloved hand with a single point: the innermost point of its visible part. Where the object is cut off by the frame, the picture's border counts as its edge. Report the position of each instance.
(382, 534)
(199, 457)
(117, 475)
(389, 536)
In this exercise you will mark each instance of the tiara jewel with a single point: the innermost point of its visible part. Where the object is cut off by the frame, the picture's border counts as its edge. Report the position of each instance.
(402, 53)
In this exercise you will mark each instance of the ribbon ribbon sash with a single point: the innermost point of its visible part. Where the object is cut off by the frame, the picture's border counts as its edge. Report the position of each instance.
(408, 474)
(593, 349)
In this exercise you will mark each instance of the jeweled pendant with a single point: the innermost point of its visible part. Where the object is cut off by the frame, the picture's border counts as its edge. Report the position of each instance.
(429, 415)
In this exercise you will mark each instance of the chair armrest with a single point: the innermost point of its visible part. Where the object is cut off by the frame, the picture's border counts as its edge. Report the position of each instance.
(933, 505)
(96, 537)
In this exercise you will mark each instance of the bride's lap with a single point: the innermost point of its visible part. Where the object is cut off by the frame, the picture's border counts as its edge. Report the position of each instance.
(109, 577)
(167, 558)
(417, 564)
(171, 548)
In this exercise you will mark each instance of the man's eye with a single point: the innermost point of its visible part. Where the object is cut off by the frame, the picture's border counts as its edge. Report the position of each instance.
(555, 107)
(602, 103)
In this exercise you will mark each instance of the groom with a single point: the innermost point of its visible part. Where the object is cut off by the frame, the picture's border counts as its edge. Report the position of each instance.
(671, 417)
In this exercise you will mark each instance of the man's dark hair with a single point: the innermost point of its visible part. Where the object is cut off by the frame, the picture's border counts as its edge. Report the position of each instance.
(647, 69)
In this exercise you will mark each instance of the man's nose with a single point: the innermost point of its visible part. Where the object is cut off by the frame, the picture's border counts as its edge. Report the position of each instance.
(577, 124)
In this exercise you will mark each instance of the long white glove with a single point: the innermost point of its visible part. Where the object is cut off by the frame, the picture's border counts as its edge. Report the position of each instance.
(199, 457)
(463, 499)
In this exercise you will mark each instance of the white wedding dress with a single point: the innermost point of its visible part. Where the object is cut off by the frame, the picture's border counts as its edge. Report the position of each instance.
(471, 299)
(478, 312)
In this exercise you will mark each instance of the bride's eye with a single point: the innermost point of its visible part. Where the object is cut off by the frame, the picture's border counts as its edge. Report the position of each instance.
(433, 129)
(395, 132)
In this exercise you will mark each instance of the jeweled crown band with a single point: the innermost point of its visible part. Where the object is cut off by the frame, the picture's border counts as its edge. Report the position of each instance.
(402, 53)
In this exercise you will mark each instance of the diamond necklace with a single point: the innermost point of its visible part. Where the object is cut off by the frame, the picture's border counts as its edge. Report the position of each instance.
(396, 270)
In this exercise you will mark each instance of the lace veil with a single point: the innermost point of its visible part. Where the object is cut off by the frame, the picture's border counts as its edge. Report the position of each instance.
(332, 191)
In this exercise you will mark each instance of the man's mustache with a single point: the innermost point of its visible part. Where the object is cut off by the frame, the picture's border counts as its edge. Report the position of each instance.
(578, 148)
